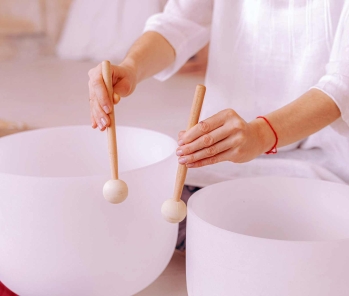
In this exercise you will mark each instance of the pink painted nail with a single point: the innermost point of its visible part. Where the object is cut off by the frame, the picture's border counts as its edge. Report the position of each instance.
(182, 160)
(179, 153)
(106, 109)
(180, 142)
(104, 122)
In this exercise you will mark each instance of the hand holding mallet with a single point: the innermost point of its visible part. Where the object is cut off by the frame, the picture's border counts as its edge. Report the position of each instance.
(115, 190)
(174, 209)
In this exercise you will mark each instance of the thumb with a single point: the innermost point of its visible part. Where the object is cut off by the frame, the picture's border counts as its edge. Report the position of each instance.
(116, 98)
(123, 87)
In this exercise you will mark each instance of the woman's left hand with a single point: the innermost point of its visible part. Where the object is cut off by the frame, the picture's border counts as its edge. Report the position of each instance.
(224, 136)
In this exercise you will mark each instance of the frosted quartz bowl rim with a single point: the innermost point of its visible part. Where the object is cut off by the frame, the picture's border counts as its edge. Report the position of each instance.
(38, 130)
(191, 212)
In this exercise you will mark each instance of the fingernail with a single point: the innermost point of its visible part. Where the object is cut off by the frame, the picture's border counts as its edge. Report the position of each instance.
(106, 109)
(190, 165)
(100, 126)
(179, 153)
(182, 160)
(103, 121)
(180, 142)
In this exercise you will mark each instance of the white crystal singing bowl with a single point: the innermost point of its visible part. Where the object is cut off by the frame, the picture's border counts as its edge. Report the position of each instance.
(59, 236)
(269, 237)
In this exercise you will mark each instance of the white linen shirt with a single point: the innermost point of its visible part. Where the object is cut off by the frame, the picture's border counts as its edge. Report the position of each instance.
(263, 55)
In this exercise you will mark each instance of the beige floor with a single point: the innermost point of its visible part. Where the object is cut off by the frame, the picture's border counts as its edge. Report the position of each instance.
(171, 282)
(50, 93)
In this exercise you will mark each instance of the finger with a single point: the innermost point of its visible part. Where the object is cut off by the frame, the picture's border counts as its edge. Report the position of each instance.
(122, 87)
(95, 119)
(93, 71)
(223, 156)
(95, 116)
(94, 97)
(91, 92)
(204, 141)
(117, 73)
(116, 98)
(206, 152)
(203, 127)
(98, 87)
(101, 118)
(93, 122)
(180, 134)
(121, 83)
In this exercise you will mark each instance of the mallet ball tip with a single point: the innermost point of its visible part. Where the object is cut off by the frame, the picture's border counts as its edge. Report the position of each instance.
(115, 191)
(174, 211)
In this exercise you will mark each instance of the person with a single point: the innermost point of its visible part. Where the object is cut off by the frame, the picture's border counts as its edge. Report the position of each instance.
(277, 100)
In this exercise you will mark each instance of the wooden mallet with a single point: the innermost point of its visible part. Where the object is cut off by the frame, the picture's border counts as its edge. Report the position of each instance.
(174, 209)
(115, 190)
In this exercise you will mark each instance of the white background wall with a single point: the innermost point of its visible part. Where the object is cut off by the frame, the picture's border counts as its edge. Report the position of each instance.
(30, 28)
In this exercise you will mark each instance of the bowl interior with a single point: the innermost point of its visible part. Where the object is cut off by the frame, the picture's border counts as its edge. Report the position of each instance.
(78, 151)
(276, 208)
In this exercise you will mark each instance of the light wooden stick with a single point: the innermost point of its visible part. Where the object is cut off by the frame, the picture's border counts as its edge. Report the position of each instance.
(112, 146)
(115, 190)
(193, 120)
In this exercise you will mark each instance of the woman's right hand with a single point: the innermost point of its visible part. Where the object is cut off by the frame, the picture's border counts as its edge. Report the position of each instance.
(124, 82)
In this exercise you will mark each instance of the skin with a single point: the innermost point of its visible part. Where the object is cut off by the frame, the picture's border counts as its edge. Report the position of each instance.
(223, 137)
(148, 55)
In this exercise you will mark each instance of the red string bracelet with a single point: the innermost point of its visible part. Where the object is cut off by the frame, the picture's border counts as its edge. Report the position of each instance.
(273, 149)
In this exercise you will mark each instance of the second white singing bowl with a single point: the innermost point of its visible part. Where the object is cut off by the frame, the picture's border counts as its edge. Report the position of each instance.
(59, 236)
(269, 237)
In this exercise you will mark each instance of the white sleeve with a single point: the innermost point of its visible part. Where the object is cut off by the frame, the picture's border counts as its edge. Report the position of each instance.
(186, 26)
(336, 81)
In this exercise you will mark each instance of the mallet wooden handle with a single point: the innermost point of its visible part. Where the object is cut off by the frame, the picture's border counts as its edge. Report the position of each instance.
(112, 147)
(193, 120)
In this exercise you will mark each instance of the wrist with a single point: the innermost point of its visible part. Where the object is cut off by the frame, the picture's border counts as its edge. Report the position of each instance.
(131, 66)
(265, 135)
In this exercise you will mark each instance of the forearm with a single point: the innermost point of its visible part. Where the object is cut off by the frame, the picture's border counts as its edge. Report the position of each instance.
(226, 136)
(150, 54)
(308, 114)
